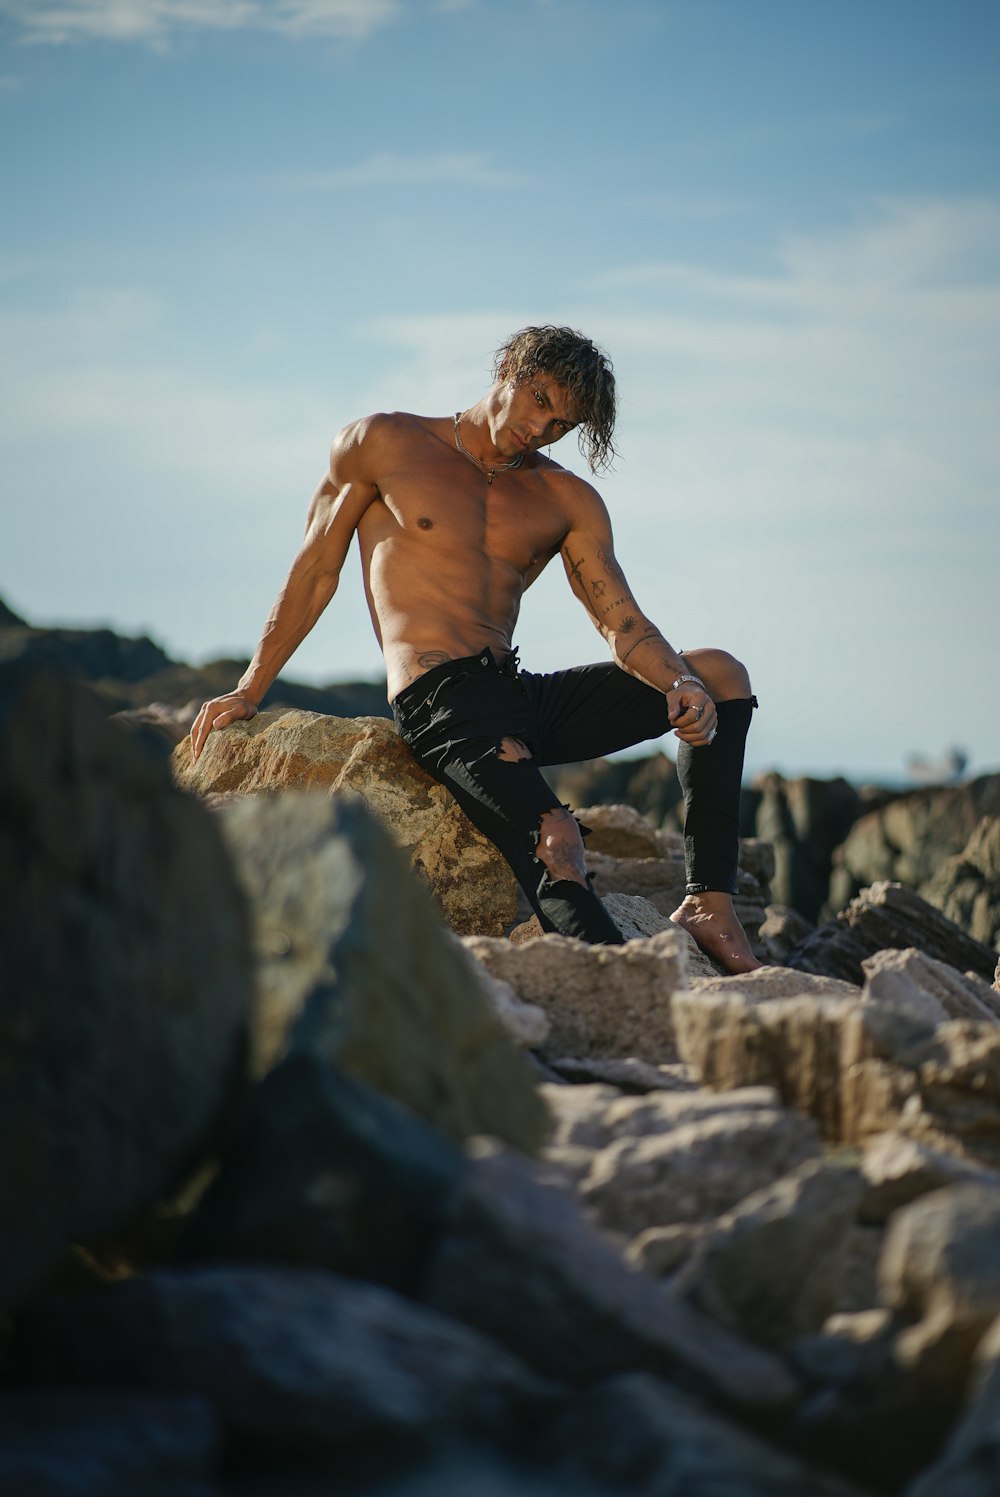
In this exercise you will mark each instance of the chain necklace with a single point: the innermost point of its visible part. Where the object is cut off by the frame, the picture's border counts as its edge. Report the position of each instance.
(491, 473)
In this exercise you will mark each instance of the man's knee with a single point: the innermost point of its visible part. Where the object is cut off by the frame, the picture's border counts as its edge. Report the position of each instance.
(560, 845)
(513, 751)
(724, 675)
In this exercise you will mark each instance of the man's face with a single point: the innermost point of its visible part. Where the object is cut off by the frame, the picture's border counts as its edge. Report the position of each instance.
(534, 412)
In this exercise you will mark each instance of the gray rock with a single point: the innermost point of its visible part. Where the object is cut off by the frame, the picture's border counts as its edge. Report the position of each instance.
(289, 1359)
(327, 1173)
(771, 1268)
(522, 1264)
(644, 1437)
(804, 820)
(909, 839)
(69, 1442)
(889, 915)
(127, 976)
(781, 931)
(357, 969)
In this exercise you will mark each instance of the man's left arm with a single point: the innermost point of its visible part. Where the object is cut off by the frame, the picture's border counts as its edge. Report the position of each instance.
(636, 644)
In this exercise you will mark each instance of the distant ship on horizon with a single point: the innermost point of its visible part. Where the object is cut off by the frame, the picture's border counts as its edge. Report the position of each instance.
(948, 770)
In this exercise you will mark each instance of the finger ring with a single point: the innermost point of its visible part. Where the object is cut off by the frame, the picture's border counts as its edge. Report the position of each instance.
(698, 711)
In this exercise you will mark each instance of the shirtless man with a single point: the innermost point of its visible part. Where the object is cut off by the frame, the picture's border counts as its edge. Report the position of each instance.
(455, 518)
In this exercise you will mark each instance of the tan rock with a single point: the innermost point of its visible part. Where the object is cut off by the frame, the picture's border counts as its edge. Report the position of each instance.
(612, 1001)
(766, 983)
(620, 831)
(940, 1267)
(890, 976)
(898, 1169)
(594, 1116)
(798, 1045)
(772, 1267)
(277, 750)
(696, 1170)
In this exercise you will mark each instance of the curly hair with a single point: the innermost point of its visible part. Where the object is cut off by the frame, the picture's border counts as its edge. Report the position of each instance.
(582, 368)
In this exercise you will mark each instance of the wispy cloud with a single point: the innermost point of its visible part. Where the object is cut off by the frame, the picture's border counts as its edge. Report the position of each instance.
(156, 22)
(388, 169)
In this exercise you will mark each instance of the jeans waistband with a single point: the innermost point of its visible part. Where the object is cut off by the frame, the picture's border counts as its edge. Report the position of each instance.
(412, 695)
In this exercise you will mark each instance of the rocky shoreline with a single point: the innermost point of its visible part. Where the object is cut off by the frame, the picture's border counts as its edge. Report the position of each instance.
(323, 1171)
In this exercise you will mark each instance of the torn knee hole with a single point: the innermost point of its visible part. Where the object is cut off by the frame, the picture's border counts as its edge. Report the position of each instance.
(513, 751)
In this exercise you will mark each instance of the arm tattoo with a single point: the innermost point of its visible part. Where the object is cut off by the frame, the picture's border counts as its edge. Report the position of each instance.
(598, 588)
(627, 625)
(574, 567)
(610, 565)
(650, 634)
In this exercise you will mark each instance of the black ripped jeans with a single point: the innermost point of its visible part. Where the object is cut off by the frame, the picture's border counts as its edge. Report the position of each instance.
(455, 716)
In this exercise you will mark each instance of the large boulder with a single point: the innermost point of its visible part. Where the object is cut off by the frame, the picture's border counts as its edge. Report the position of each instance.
(127, 976)
(356, 968)
(279, 750)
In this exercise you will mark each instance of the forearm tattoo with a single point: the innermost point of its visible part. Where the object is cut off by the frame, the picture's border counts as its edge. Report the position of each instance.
(643, 638)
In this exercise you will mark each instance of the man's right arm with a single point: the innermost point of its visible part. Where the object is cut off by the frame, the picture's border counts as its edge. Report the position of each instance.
(334, 515)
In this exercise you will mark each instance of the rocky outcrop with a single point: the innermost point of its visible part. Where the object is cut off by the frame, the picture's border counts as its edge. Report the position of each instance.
(804, 820)
(889, 915)
(277, 750)
(755, 1255)
(907, 840)
(127, 978)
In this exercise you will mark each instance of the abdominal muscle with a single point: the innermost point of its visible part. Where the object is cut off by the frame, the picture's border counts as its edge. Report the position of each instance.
(431, 603)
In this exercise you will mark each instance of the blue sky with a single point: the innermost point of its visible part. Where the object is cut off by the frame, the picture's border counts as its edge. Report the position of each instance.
(231, 226)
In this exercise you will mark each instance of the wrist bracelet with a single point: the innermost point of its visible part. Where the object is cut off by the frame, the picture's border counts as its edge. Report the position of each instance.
(696, 679)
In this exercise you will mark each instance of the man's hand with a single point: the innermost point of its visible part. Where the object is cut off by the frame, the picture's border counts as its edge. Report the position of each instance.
(219, 713)
(692, 714)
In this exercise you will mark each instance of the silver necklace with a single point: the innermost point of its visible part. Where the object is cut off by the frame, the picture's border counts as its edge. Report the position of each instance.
(491, 473)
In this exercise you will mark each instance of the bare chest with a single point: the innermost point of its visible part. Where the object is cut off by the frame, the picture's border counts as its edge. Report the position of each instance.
(437, 499)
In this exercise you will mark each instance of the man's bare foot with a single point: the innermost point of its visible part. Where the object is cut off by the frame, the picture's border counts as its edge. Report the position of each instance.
(711, 921)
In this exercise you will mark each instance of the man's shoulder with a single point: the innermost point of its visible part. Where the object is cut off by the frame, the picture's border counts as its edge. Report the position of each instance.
(569, 488)
(383, 429)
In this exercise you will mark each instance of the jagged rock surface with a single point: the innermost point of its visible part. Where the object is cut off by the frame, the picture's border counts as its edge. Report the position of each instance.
(276, 750)
(356, 969)
(889, 915)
